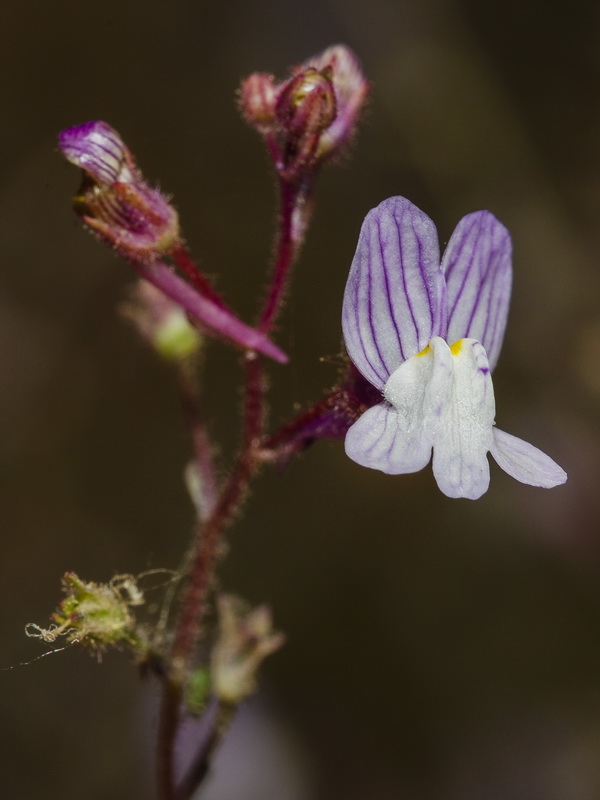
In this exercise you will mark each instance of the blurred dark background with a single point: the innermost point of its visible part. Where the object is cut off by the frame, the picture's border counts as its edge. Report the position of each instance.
(438, 649)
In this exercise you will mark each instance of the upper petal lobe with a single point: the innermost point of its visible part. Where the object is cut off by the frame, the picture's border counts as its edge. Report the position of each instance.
(394, 298)
(478, 270)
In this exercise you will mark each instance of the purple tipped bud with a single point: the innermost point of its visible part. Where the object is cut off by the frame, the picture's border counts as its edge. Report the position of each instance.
(114, 200)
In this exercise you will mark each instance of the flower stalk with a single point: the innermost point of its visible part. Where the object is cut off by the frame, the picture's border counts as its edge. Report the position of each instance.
(209, 535)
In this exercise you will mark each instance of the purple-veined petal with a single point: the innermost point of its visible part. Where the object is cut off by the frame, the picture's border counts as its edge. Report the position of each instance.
(394, 298)
(525, 462)
(478, 270)
(392, 436)
(212, 316)
(460, 412)
(379, 441)
(98, 149)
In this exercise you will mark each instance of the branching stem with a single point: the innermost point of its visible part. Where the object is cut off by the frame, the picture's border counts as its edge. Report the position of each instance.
(295, 208)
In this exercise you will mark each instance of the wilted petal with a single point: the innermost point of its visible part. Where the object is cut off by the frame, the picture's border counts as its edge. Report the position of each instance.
(478, 270)
(246, 638)
(350, 87)
(394, 299)
(460, 414)
(525, 462)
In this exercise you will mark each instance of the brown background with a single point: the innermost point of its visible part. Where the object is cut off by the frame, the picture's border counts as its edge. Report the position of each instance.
(437, 649)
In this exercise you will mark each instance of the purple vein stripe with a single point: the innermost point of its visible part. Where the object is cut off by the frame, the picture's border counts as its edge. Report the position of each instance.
(205, 311)
(96, 148)
(478, 269)
(394, 296)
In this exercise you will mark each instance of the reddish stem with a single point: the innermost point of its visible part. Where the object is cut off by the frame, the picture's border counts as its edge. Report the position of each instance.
(201, 568)
(293, 218)
(209, 535)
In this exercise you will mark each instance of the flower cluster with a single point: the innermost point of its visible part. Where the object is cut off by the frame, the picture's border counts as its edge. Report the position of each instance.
(427, 334)
(140, 223)
(308, 118)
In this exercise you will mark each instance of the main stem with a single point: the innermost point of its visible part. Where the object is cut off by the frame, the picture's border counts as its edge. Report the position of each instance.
(293, 219)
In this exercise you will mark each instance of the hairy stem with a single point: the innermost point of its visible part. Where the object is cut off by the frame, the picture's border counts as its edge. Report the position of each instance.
(293, 219)
(294, 214)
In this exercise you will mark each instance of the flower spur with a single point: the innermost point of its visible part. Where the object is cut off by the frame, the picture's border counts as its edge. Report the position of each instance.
(427, 334)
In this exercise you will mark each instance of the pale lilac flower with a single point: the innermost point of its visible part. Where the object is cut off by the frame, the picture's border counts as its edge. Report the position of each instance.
(427, 335)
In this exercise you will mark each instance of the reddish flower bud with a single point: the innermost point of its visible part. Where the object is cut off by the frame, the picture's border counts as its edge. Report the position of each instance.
(305, 108)
(258, 98)
(114, 200)
(307, 102)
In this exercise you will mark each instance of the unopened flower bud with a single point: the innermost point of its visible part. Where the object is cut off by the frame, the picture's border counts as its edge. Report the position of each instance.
(161, 322)
(305, 109)
(246, 639)
(307, 102)
(114, 200)
(258, 98)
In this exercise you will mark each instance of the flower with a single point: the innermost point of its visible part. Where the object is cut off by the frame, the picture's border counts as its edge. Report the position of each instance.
(114, 200)
(427, 335)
